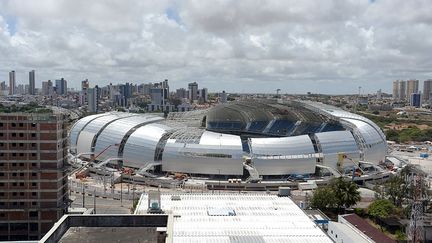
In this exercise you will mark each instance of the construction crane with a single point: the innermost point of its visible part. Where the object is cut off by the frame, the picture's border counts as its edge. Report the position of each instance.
(341, 161)
(277, 92)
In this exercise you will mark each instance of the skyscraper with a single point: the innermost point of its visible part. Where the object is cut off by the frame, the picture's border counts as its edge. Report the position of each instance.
(32, 88)
(12, 84)
(93, 99)
(427, 89)
(402, 90)
(84, 89)
(415, 100)
(412, 87)
(33, 178)
(193, 91)
(396, 90)
(61, 86)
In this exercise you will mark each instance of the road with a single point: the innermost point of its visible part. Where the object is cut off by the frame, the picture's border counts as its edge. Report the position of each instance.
(103, 205)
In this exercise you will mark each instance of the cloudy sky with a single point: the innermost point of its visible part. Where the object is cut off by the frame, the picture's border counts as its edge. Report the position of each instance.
(321, 46)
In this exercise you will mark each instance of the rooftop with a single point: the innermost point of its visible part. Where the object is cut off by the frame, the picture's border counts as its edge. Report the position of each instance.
(236, 218)
(363, 226)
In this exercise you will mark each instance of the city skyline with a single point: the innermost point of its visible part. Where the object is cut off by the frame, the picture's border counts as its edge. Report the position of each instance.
(325, 47)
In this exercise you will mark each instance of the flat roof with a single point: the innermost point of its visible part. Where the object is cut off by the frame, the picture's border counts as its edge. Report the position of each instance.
(109, 234)
(367, 229)
(231, 218)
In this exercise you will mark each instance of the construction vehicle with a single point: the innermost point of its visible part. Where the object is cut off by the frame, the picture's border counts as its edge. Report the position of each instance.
(181, 176)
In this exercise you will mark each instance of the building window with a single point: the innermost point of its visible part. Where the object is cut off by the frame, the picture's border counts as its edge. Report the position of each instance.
(33, 154)
(1, 124)
(14, 184)
(21, 164)
(1, 174)
(1, 144)
(1, 194)
(14, 135)
(21, 203)
(21, 145)
(14, 193)
(33, 124)
(34, 174)
(14, 174)
(33, 145)
(33, 184)
(33, 135)
(34, 203)
(21, 154)
(33, 164)
(21, 135)
(13, 124)
(21, 194)
(14, 164)
(21, 183)
(34, 194)
(14, 144)
(21, 124)
(1, 163)
(33, 214)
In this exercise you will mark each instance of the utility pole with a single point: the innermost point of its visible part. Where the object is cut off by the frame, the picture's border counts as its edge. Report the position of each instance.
(415, 227)
(83, 196)
(121, 189)
(94, 200)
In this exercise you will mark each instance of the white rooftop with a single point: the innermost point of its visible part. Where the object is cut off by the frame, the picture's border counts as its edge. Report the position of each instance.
(237, 218)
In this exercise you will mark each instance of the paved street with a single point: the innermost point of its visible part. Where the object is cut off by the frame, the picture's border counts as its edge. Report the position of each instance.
(103, 205)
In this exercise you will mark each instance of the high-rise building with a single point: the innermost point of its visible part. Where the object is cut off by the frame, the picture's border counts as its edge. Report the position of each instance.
(12, 83)
(93, 99)
(61, 86)
(47, 88)
(395, 95)
(379, 94)
(223, 97)
(203, 95)
(159, 97)
(83, 94)
(412, 87)
(193, 91)
(427, 91)
(33, 178)
(415, 100)
(181, 93)
(402, 90)
(32, 87)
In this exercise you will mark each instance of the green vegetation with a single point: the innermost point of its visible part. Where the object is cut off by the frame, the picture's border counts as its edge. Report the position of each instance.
(411, 133)
(27, 108)
(338, 194)
(380, 209)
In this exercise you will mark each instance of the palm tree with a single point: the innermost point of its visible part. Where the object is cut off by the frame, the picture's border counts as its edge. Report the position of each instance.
(346, 193)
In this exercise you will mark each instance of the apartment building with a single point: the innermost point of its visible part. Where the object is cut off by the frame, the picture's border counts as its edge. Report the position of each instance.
(33, 177)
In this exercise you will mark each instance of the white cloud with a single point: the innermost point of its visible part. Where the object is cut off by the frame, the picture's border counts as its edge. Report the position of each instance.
(329, 46)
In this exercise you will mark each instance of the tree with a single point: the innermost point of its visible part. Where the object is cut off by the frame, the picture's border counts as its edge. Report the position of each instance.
(323, 198)
(346, 192)
(380, 209)
(395, 190)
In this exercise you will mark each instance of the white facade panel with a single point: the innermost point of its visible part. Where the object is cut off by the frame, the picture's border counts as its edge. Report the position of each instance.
(79, 125)
(374, 147)
(333, 143)
(287, 155)
(141, 145)
(216, 158)
(109, 140)
(95, 127)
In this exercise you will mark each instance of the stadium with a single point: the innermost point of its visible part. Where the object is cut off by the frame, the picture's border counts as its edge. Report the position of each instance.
(249, 138)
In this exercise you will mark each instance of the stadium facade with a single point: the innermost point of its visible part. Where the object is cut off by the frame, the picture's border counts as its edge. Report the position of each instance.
(275, 138)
